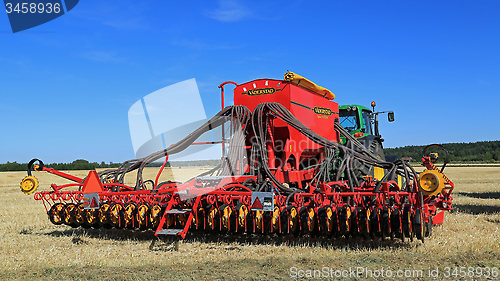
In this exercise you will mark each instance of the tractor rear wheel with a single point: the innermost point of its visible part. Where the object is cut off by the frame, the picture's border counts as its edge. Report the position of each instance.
(362, 169)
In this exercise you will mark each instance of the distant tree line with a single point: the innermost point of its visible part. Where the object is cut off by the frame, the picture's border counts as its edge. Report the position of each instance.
(484, 151)
(82, 164)
(79, 164)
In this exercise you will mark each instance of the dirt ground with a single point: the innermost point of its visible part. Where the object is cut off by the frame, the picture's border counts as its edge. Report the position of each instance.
(466, 245)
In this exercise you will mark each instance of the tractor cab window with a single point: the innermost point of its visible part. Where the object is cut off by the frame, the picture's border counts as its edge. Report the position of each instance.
(366, 121)
(349, 119)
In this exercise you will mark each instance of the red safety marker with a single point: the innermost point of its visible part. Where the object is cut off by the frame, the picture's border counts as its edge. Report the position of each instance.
(92, 183)
(94, 203)
(256, 204)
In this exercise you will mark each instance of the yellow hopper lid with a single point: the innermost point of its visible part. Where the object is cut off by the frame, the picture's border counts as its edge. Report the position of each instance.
(307, 84)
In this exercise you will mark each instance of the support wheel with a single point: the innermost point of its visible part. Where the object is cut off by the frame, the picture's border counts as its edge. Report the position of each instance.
(56, 214)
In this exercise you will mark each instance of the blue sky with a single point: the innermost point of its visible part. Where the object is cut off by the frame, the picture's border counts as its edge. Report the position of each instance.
(66, 86)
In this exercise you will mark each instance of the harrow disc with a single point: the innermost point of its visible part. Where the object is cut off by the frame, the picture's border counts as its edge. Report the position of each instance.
(142, 216)
(80, 215)
(212, 218)
(354, 223)
(154, 216)
(396, 226)
(104, 215)
(308, 219)
(385, 223)
(344, 217)
(419, 224)
(364, 222)
(275, 220)
(198, 219)
(262, 222)
(116, 216)
(92, 218)
(129, 217)
(327, 220)
(284, 221)
(375, 229)
(293, 220)
(56, 213)
(241, 217)
(406, 221)
(70, 215)
(227, 218)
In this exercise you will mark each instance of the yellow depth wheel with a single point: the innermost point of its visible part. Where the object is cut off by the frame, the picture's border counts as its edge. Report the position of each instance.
(130, 210)
(56, 213)
(293, 221)
(29, 184)
(92, 217)
(213, 218)
(154, 216)
(115, 215)
(142, 216)
(276, 219)
(430, 182)
(103, 218)
(79, 214)
(344, 219)
(226, 213)
(259, 217)
(242, 217)
(70, 215)
(308, 220)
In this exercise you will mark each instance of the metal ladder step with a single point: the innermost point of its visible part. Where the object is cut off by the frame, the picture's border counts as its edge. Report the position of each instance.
(178, 211)
(169, 231)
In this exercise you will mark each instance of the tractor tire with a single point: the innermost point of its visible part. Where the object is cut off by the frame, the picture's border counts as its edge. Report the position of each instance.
(361, 169)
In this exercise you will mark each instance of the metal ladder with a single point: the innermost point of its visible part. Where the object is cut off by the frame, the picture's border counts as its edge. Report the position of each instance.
(181, 231)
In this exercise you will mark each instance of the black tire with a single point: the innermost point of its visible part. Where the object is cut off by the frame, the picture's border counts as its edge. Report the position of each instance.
(362, 169)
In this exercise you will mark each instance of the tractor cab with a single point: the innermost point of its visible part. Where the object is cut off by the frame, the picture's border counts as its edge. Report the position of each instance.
(356, 119)
(360, 121)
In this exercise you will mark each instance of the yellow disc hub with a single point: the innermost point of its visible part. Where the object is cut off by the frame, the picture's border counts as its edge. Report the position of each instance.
(102, 213)
(226, 214)
(329, 218)
(276, 218)
(142, 212)
(155, 215)
(293, 219)
(430, 182)
(259, 216)
(311, 222)
(212, 216)
(242, 216)
(115, 214)
(79, 213)
(68, 211)
(29, 184)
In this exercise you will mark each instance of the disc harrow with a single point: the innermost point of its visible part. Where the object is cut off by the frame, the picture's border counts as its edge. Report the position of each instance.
(283, 172)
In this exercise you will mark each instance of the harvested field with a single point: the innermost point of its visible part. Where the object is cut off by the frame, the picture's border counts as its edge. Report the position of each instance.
(32, 248)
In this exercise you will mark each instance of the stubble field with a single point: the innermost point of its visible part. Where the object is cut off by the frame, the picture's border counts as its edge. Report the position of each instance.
(32, 248)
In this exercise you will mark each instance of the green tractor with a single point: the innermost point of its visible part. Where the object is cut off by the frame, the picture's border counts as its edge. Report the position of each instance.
(362, 123)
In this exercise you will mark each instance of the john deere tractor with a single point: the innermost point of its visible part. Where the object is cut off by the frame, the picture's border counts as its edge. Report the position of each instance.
(362, 123)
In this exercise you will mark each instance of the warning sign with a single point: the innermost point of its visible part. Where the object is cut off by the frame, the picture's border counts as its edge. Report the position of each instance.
(256, 204)
(263, 201)
(91, 201)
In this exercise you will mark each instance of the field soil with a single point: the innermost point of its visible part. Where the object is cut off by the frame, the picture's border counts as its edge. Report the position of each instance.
(33, 248)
